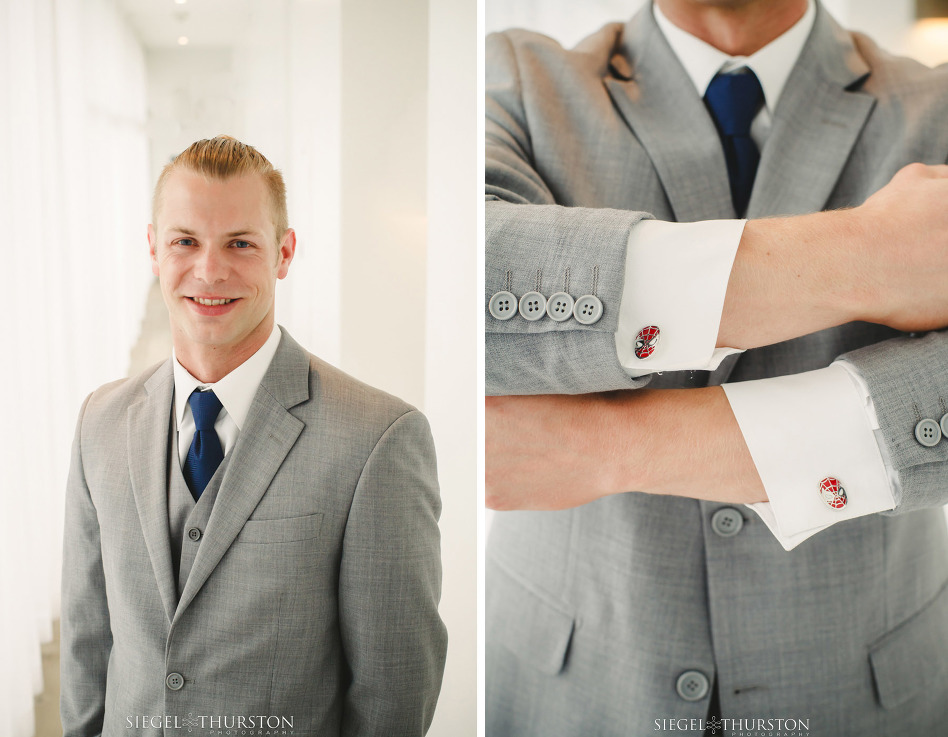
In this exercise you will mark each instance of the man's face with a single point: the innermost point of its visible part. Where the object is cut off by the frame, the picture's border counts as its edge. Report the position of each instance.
(216, 256)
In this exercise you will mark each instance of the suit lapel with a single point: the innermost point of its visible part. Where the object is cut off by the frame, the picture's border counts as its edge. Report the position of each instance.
(660, 104)
(818, 118)
(148, 430)
(269, 433)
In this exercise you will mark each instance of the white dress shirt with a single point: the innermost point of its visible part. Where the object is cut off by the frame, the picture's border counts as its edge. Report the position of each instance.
(799, 429)
(235, 392)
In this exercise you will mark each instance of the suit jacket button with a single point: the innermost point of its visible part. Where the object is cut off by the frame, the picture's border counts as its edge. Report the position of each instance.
(532, 306)
(560, 306)
(194, 533)
(727, 522)
(928, 432)
(502, 305)
(175, 681)
(692, 685)
(588, 309)
(944, 424)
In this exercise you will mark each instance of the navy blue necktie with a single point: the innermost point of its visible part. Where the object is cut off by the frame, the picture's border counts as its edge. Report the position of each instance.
(205, 453)
(734, 100)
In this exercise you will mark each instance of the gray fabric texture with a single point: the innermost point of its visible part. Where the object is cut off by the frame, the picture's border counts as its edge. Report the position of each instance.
(593, 613)
(185, 514)
(313, 591)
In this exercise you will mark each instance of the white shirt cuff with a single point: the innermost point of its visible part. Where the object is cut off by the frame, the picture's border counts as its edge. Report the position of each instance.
(804, 428)
(676, 276)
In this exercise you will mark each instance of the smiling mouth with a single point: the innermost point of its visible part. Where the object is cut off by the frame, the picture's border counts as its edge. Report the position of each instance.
(210, 302)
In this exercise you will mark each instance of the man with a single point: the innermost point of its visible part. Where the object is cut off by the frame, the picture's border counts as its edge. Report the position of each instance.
(251, 535)
(680, 608)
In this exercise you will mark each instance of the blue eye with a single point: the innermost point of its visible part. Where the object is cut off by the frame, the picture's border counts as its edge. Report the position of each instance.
(243, 244)
(185, 242)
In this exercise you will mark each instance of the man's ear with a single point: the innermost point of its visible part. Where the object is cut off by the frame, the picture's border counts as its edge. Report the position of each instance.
(287, 251)
(153, 248)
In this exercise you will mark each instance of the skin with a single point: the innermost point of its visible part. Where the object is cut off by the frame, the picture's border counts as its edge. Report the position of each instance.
(215, 240)
(884, 262)
(603, 444)
(736, 27)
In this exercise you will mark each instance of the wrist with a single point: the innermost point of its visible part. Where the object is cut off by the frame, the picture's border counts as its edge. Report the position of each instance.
(851, 279)
(680, 442)
(644, 444)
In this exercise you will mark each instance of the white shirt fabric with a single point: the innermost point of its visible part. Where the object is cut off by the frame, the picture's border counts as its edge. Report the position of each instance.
(235, 392)
(799, 429)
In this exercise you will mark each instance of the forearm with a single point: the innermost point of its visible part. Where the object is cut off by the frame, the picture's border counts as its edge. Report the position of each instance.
(885, 261)
(787, 280)
(555, 452)
(684, 442)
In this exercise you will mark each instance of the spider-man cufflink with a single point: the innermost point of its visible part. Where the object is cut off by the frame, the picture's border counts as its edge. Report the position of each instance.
(833, 493)
(646, 340)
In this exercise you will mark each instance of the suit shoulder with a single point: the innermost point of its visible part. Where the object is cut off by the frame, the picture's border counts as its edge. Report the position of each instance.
(533, 52)
(900, 77)
(109, 402)
(357, 400)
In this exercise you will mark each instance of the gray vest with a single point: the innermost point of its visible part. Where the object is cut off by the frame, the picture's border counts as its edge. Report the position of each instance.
(187, 519)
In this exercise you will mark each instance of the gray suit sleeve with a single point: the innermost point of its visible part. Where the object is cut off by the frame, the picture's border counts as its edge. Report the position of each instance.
(908, 381)
(389, 587)
(529, 239)
(86, 635)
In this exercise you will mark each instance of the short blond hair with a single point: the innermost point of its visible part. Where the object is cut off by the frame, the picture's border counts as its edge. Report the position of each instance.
(223, 157)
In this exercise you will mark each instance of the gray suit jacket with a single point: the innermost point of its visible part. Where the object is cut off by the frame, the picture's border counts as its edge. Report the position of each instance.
(314, 592)
(594, 613)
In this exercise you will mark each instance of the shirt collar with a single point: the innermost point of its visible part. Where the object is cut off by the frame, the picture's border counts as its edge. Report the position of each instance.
(236, 390)
(772, 64)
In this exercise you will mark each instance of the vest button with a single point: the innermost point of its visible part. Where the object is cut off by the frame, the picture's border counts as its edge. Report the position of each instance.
(194, 534)
(175, 681)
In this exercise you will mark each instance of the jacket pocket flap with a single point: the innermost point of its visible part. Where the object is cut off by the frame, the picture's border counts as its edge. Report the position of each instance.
(527, 623)
(912, 655)
(285, 530)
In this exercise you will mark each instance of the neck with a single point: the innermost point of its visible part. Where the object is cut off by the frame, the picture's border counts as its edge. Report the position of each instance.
(735, 27)
(211, 363)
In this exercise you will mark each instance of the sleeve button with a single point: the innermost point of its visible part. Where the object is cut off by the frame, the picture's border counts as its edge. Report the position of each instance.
(502, 305)
(532, 306)
(588, 309)
(928, 432)
(560, 307)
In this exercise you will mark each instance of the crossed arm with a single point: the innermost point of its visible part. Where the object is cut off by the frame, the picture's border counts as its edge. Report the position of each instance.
(885, 261)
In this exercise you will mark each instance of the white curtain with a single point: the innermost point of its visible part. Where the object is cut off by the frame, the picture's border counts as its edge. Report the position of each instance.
(73, 201)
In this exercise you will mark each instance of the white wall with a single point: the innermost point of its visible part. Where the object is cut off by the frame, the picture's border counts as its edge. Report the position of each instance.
(892, 25)
(384, 160)
(452, 338)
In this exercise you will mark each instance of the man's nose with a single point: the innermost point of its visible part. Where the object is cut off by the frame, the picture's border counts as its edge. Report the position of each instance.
(211, 265)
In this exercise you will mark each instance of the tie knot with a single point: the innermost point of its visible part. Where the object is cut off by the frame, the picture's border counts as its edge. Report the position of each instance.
(734, 100)
(205, 406)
